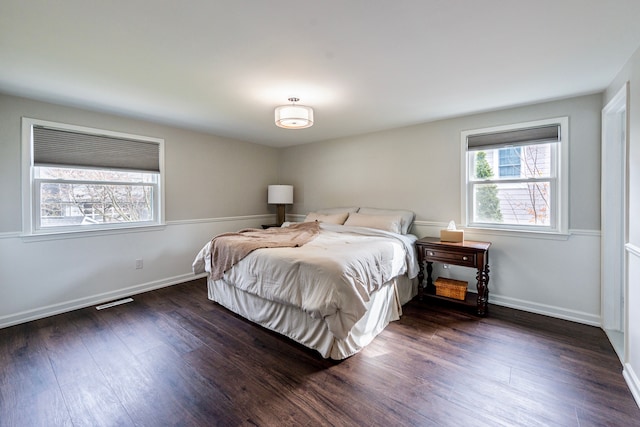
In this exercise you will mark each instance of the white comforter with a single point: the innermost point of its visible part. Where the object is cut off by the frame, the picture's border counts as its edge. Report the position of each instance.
(331, 277)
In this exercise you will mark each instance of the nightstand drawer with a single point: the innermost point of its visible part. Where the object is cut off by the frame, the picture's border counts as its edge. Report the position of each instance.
(457, 258)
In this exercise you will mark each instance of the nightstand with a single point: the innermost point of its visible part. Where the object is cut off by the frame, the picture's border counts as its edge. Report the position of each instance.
(466, 254)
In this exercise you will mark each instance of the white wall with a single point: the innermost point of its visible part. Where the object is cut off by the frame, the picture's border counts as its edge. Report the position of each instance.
(631, 73)
(213, 185)
(418, 168)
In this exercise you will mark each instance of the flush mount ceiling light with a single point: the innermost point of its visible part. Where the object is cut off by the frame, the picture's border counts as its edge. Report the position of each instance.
(294, 116)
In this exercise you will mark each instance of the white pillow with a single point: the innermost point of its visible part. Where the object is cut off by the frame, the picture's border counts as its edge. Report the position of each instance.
(407, 216)
(331, 219)
(332, 211)
(391, 223)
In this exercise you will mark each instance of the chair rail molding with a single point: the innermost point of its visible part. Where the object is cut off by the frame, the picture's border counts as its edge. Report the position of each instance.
(632, 249)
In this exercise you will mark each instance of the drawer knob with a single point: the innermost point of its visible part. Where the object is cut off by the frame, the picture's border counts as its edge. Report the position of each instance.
(465, 258)
(430, 253)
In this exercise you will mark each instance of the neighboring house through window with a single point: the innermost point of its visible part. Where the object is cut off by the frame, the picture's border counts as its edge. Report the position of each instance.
(510, 161)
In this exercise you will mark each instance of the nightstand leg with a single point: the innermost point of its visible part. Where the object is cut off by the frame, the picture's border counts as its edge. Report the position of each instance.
(431, 288)
(420, 279)
(483, 290)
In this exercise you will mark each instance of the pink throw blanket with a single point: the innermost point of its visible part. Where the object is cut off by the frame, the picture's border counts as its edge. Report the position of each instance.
(229, 248)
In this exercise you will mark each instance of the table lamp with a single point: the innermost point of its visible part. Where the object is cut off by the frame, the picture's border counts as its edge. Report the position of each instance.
(280, 195)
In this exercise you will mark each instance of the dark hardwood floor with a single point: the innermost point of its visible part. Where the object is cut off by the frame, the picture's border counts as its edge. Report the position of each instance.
(172, 357)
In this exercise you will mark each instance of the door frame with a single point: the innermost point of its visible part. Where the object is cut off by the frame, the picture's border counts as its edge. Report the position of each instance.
(614, 217)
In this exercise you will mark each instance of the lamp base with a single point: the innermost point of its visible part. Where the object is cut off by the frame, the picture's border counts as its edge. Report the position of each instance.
(280, 210)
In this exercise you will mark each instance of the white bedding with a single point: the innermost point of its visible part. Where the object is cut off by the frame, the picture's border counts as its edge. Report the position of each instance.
(384, 307)
(331, 278)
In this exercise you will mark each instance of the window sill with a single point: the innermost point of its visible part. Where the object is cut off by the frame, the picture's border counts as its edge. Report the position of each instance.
(549, 235)
(75, 234)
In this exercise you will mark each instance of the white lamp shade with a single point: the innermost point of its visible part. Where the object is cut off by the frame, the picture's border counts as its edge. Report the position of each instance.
(280, 194)
(294, 116)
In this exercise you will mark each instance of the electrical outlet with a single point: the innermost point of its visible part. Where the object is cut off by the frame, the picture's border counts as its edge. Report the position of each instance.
(138, 264)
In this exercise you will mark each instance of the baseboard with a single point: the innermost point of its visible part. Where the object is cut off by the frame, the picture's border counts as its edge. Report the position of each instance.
(632, 382)
(546, 310)
(52, 310)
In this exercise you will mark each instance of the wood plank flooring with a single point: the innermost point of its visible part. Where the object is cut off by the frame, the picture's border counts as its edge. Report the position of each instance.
(172, 357)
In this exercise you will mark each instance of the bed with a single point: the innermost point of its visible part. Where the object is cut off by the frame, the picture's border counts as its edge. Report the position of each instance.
(335, 292)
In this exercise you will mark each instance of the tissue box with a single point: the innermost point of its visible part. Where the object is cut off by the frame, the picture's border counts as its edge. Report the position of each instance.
(455, 236)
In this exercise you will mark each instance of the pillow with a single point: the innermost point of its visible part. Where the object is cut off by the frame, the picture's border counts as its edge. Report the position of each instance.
(407, 216)
(381, 222)
(331, 219)
(332, 211)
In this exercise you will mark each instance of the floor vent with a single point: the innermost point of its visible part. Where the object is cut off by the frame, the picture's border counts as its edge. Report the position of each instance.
(113, 304)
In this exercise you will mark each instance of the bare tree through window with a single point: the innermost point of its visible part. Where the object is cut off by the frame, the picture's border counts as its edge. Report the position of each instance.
(83, 196)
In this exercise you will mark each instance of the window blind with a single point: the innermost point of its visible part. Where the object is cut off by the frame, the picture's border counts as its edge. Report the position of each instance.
(56, 147)
(516, 137)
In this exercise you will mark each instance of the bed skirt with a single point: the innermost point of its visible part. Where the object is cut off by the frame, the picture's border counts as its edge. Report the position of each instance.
(384, 306)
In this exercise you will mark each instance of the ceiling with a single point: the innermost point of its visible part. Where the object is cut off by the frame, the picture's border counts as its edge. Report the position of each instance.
(364, 65)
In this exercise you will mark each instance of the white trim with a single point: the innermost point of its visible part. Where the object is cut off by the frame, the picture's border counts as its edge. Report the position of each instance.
(436, 225)
(632, 381)
(76, 234)
(131, 229)
(614, 201)
(10, 235)
(27, 174)
(632, 249)
(52, 310)
(584, 232)
(544, 309)
(523, 234)
(221, 219)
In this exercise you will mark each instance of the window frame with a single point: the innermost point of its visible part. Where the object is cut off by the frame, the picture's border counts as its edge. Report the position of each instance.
(31, 202)
(559, 186)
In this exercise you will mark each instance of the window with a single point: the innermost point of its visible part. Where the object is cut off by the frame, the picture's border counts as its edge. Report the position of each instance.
(79, 179)
(515, 176)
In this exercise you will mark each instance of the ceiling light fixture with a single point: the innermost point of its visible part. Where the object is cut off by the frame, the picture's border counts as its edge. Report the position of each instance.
(294, 116)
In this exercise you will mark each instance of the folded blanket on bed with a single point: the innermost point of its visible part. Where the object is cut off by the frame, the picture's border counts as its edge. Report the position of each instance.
(229, 248)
